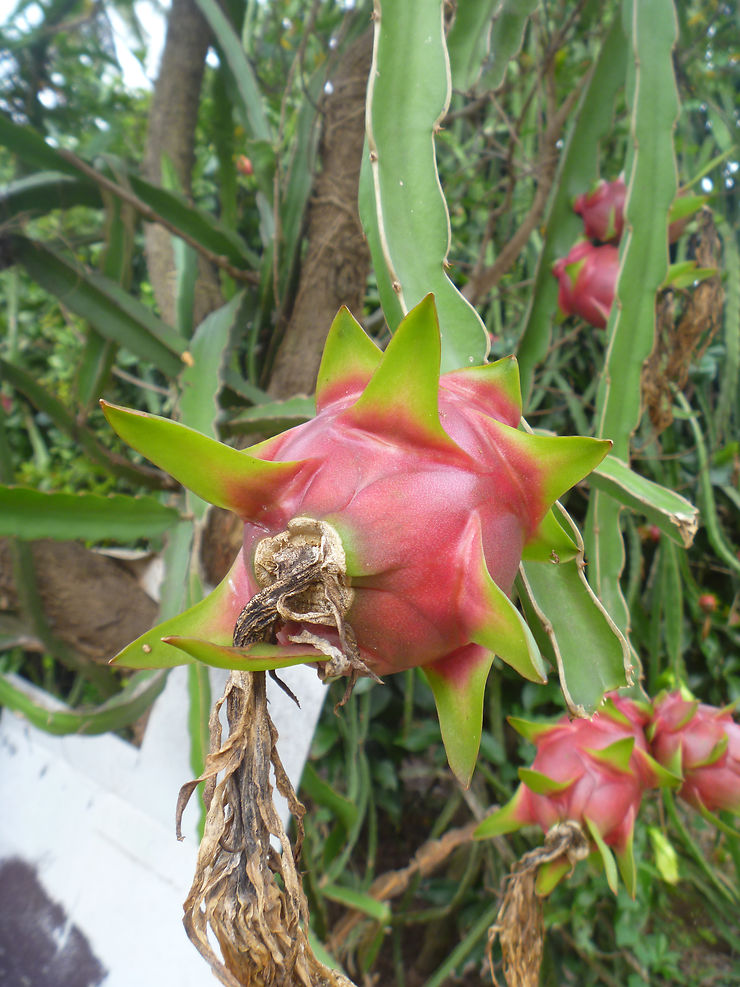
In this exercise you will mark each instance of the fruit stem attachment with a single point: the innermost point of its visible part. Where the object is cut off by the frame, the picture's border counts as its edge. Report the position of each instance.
(303, 575)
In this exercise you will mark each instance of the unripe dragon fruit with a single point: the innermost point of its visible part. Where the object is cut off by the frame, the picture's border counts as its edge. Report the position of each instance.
(602, 211)
(416, 497)
(589, 771)
(701, 744)
(587, 280)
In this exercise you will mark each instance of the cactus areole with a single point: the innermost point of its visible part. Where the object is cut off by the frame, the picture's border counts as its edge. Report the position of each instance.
(382, 535)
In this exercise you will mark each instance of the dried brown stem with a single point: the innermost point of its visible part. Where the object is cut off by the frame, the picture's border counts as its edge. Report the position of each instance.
(260, 924)
(519, 924)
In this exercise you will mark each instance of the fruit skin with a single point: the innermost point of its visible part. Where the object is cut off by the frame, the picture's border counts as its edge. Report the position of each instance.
(590, 771)
(435, 494)
(602, 211)
(587, 280)
(702, 744)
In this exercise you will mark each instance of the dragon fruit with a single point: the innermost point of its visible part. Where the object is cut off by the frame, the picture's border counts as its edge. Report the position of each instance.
(602, 211)
(415, 496)
(701, 744)
(587, 280)
(589, 771)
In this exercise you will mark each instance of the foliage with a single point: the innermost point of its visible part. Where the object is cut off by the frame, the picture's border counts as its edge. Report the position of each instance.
(548, 108)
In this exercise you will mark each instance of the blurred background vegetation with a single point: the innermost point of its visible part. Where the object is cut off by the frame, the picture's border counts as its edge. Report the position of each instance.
(215, 214)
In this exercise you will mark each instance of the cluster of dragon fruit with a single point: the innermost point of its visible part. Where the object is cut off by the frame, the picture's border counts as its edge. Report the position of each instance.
(386, 533)
(587, 276)
(596, 771)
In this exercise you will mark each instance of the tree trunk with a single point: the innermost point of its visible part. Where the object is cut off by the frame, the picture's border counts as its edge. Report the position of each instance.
(335, 269)
(172, 121)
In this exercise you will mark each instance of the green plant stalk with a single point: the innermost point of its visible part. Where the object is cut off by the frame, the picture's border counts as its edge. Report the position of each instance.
(694, 849)
(402, 207)
(577, 171)
(464, 947)
(716, 536)
(118, 712)
(727, 402)
(651, 187)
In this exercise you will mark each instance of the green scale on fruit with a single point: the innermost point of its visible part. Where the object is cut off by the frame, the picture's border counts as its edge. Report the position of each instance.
(411, 497)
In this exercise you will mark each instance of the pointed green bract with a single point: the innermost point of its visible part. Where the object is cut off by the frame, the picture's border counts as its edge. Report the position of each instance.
(213, 617)
(559, 461)
(714, 755)
(530, 731)
(550, 542)
(458, 683)
(350, 359)
(626, 862)
(607, 856)
(403, 394)
(493, 388)
(550, 874)
(217, 473)
(259, 657)
(504, 820)
(616, 756)
(542, 785)
(497, 624)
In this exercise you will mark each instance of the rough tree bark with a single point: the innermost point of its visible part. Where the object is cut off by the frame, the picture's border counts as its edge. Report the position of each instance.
(172, 120)
(334, 271)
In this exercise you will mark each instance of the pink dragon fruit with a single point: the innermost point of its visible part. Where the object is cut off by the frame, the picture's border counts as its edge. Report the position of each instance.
(587, 280)
(701, 744)
(419, 494)
(590, 771)
(602, 211)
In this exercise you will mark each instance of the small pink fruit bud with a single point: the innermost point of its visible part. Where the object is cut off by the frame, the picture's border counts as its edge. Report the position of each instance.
(588, 280)
(708, 602)
(602, 211)
(244, 165)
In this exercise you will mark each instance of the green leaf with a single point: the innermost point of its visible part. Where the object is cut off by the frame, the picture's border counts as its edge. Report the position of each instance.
(673, 514)
(507, 34)
(44, 191)
(469, 41)
(32, 149)
(313, 786)
(664, 853)
(651, 187)
(250, 98)
(402, 206)
(103, 303)
(200, 225)
(358, 901)
(83, 436)
(120, 711)
(592, 656)
(202, 379)
(577, 171)
(272, 417)
(30, 514)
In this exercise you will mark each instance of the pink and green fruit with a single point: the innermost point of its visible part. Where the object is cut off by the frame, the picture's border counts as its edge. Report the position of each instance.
(589, 771)
(587, 280)
(701, 744)
(602, 211)
(431, 494)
